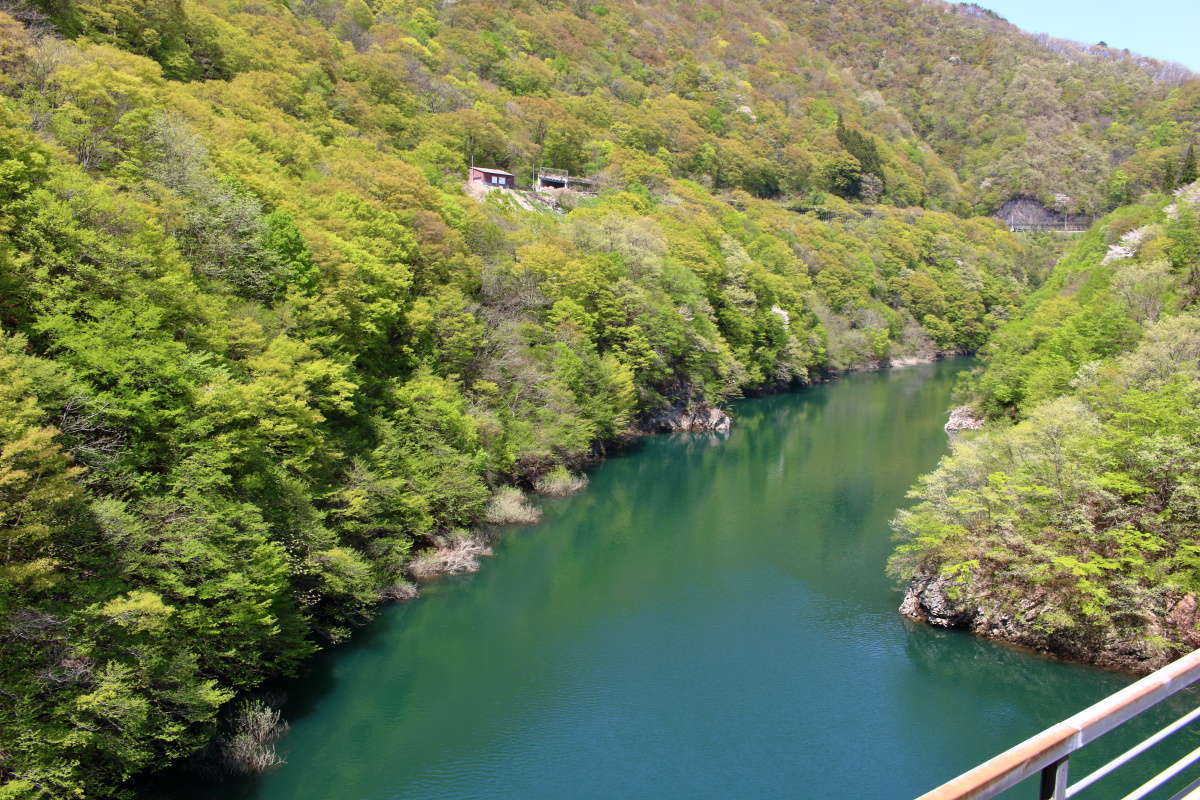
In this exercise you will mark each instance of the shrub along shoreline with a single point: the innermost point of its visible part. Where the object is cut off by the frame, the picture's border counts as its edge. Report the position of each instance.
(511, 507)
(1070, 523)
(258, 347)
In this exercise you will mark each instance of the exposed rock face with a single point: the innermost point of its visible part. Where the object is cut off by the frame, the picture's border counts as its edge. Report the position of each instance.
(937, 600)
(1182, 620)
(701, 419)
(964, 418)
(1021, 212)
(927, 599)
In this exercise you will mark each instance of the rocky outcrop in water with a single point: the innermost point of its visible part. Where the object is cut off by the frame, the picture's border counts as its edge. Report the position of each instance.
(929, 600)
(913, 360)
(400, 593)
(684, 420)
(976, 608)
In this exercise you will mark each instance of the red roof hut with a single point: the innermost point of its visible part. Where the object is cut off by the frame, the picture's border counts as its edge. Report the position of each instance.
(493, 177)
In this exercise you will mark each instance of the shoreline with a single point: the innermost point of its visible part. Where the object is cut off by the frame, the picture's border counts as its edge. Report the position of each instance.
(463, 555)
(933, 599)
(929, 600)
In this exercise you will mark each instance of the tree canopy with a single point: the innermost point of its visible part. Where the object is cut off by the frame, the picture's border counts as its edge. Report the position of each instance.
(259, 347)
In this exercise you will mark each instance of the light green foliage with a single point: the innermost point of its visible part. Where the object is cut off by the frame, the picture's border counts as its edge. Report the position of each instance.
(257, 347)
(1090, 309)
(1083, 514)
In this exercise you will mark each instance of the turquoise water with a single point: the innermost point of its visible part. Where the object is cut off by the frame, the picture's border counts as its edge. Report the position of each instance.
(710, 619)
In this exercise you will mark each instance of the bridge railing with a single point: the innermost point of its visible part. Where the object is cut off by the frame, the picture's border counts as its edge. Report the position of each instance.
(1048, 753)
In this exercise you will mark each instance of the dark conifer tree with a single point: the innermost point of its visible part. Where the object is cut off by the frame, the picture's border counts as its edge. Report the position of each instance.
(864, 149)
(1189, 172)
(1169, 177)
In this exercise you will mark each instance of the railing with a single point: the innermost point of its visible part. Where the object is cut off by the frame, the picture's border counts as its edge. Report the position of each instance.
(1061, 227)
(561, 176)
(1048, 752)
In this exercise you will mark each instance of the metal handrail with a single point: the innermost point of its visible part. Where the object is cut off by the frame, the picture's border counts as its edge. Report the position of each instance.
(1048, 752)
(1133, 752)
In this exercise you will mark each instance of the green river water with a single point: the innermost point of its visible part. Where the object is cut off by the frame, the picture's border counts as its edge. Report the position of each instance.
(709, 619)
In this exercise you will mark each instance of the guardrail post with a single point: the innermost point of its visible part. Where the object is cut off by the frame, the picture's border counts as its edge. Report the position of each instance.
(1054, 780)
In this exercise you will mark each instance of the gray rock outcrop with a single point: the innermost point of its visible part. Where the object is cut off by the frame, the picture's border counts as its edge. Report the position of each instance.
(927, 599)
(964, 418)
(975, 607)
(701, 419)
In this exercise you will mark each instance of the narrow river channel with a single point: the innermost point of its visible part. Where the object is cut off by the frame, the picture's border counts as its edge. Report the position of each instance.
(710, 619)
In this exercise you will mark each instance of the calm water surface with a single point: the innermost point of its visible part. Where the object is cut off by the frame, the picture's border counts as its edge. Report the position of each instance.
(710, 619)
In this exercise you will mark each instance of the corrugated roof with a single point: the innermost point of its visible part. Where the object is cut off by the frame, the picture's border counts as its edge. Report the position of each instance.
(494, 171)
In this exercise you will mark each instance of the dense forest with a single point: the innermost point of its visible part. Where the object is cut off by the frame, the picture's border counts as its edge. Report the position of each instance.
(261, 350)
(1070, 523)
(1083, 128)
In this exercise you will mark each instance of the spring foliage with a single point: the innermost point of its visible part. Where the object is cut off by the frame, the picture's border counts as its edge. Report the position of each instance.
(1076, 512)
(258, 348)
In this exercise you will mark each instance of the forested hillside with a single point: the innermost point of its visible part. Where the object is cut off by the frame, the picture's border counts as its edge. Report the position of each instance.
(1070, 523)
(1083, 128)
(259, 347)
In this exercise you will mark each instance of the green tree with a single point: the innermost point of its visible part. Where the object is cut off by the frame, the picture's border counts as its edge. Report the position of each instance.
(1188, 171)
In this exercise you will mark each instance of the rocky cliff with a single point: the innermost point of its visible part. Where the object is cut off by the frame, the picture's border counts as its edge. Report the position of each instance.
(1170, 619)
(684, 420)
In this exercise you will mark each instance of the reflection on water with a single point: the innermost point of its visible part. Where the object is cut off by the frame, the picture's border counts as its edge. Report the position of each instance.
(710, 619)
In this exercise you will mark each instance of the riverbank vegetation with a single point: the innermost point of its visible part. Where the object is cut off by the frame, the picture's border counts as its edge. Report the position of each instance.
(263, 361)
(1070, 523)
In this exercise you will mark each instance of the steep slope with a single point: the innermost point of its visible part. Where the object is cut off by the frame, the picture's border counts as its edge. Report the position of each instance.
(259, 347)
(1074, 529)
(1081, 127)
(961, 109)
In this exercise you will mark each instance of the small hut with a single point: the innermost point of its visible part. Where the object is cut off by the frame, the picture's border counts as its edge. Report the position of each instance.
(493, 177)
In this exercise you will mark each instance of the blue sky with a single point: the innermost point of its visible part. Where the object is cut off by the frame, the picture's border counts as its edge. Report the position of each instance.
(1165, 29)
